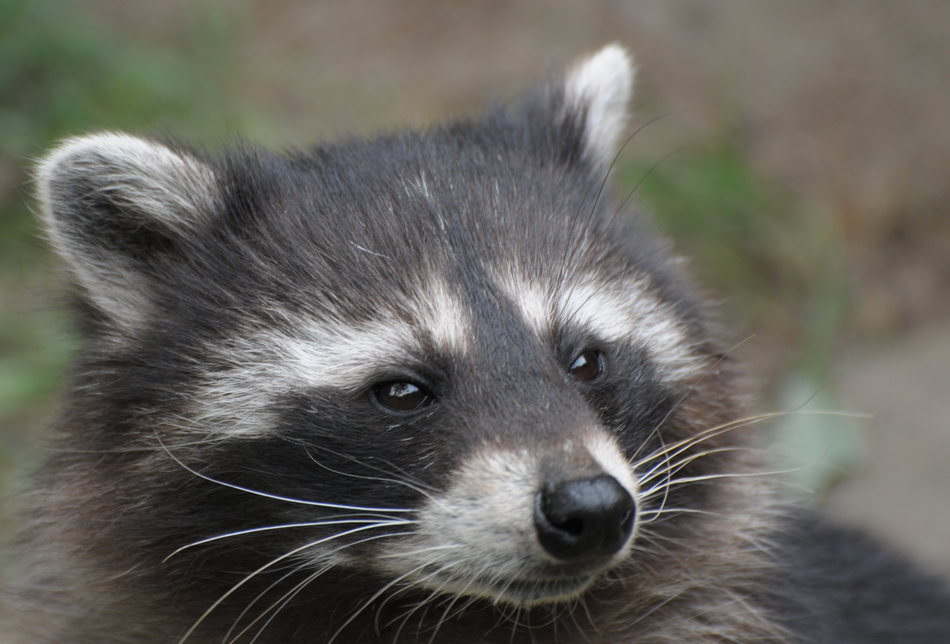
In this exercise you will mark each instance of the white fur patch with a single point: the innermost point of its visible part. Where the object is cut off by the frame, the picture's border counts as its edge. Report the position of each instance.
(536, 303)
(605, 451)
(618, 312)
(442, 316)
(343, 357)
(630, 312)
(603, 84)
(237, 401)
(262, 364)
(479, 538)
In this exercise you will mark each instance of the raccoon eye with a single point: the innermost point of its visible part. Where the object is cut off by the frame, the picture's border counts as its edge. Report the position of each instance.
(399, 395)
(587, 366)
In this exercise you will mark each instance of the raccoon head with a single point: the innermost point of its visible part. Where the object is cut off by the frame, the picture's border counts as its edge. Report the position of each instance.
(437, 364)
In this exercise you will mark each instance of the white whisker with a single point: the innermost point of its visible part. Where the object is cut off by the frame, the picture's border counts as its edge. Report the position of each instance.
(265, 567)
(389, 478)
(319, 504)
(375, 596)
(310, 524)
(278, 605)
(674, 467)
(237, 620)
(433, 594)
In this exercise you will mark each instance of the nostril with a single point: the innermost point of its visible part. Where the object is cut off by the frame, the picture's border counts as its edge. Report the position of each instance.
(573, 527)
(584, 518)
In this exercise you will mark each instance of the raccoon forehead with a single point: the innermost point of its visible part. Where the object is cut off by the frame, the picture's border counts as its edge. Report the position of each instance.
(624, 310)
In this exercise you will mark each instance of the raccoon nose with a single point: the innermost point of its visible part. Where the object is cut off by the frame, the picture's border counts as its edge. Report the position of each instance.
(583, 518)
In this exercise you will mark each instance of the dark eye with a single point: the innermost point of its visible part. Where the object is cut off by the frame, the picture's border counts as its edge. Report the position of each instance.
(587, 366)
(403, 396)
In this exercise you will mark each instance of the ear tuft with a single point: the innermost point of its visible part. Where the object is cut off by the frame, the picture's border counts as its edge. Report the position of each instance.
(599, 87)
(114, 204)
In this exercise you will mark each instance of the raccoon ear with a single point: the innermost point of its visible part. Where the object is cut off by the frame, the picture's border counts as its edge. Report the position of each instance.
(598, 90)
(114, 206)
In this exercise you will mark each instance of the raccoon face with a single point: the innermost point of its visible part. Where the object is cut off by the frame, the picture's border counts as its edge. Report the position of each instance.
(427, 364)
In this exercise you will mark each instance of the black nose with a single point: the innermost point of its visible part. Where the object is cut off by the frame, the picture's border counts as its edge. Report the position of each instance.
(583, 518)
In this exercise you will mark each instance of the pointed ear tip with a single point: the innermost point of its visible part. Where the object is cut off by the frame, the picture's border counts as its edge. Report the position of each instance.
(615, 55)
(599, 88)
(613, 61)
(603, 79)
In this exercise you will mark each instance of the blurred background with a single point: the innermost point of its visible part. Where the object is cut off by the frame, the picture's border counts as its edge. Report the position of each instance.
(802, 159)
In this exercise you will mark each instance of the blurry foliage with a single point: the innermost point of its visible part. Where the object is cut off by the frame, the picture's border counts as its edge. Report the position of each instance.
(780, 265)
(63, 73)
(782, 269)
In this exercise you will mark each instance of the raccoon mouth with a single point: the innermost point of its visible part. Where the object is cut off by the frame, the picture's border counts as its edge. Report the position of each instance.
(534, 591)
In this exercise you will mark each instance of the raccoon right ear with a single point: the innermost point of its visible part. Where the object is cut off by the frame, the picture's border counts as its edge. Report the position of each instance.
(113, 205)
(598, 89)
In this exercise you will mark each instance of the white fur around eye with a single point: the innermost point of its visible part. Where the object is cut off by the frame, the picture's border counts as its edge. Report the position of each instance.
(259, 364)
(627, 311)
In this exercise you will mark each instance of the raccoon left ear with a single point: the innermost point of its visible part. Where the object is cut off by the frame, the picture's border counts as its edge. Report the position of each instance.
(598, 89)
(114, 206)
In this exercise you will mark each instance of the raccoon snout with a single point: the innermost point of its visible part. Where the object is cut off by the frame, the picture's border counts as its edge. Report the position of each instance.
(584, 518)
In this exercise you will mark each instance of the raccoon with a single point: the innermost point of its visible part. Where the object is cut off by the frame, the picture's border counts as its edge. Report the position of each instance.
(437, 386)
